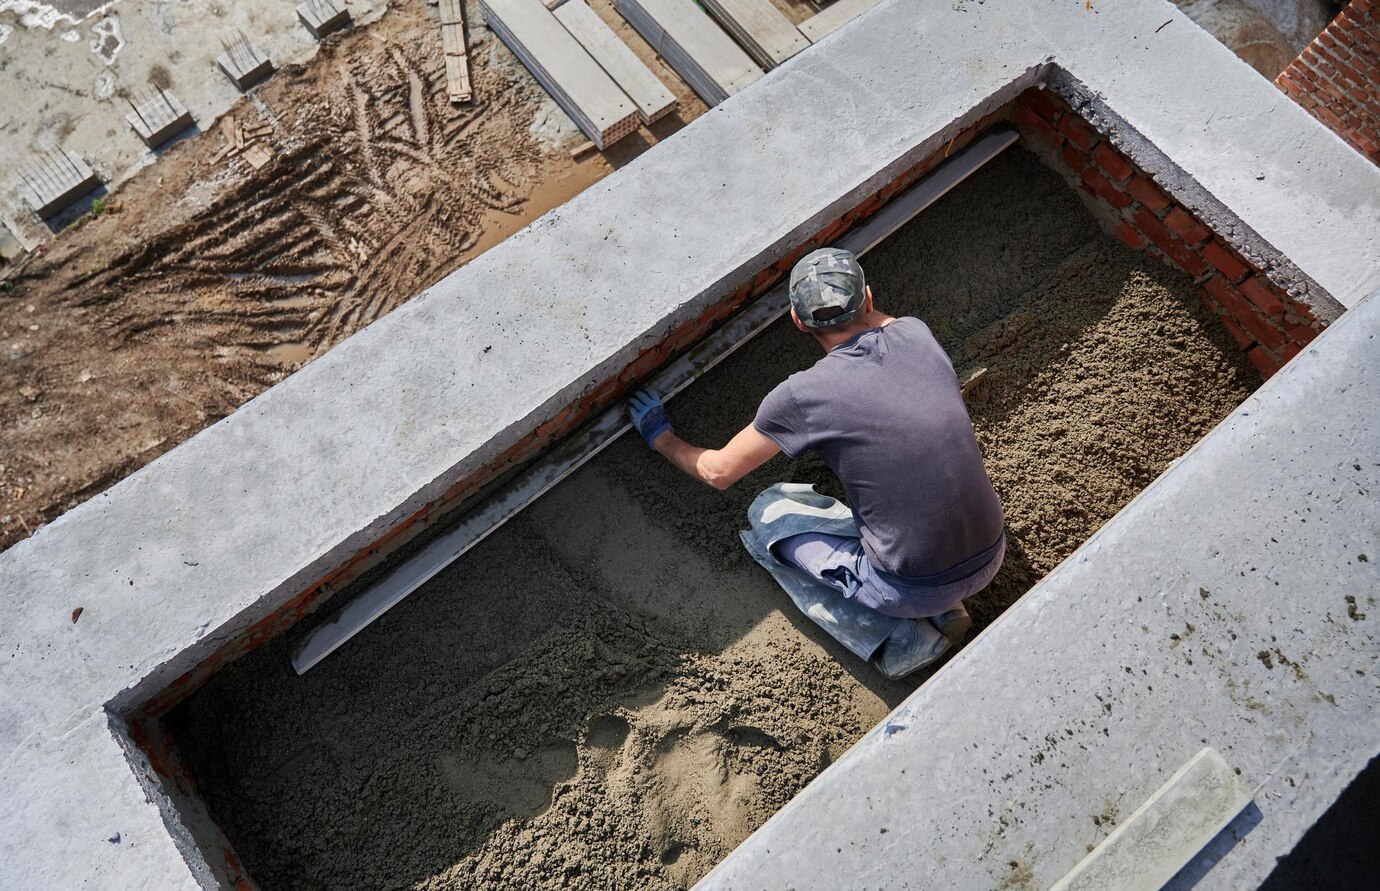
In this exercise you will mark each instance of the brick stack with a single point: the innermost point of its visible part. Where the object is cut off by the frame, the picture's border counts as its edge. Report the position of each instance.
(1337, 78)
(1265, 322)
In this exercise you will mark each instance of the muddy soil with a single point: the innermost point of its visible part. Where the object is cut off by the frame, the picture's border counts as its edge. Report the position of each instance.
(607, 693)
(206, 280)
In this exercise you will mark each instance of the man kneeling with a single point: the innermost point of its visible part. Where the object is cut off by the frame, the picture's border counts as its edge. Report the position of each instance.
(884, 411)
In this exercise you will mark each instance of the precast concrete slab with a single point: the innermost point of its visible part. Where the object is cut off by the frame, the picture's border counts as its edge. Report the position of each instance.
(1229, 605)
(202, 551)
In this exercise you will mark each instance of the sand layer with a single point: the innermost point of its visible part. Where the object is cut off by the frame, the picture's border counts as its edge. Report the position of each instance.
(607, 693)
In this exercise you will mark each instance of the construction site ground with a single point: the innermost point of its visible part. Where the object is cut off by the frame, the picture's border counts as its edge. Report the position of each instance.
(206, 279)
(608, 692)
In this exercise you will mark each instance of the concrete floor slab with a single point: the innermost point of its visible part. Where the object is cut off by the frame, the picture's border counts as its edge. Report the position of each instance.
(214, 536)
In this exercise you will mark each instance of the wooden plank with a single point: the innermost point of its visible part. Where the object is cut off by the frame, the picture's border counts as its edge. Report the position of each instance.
(457, 53)
(841, 13)
(458, 79)
(649, 94)
(687, 38)
(760, 28)
(601, 109)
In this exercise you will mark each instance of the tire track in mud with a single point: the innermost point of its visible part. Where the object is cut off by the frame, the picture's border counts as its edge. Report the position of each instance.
(378, 186)
(385, 188)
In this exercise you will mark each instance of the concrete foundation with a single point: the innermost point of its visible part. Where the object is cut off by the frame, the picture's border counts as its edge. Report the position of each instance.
(176, 569)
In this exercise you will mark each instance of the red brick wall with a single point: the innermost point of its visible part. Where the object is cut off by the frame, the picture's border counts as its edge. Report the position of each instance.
(1337, 78)
(1265, 322)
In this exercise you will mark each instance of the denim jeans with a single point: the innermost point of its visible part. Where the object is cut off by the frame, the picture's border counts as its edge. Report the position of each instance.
(840, 562)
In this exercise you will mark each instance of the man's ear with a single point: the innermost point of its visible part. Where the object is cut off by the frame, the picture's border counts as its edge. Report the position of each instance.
(867, 299)
(795, 318)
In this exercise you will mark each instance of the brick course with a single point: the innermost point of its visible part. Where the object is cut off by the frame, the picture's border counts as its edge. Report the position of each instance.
(1336, 78)
(1261, 318)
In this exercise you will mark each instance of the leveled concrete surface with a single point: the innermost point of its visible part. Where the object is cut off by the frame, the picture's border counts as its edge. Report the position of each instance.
(194, 548)
(1233, 604)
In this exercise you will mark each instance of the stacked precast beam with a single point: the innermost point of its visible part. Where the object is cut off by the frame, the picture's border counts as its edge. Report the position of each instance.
(647, 92)
(761, 29)
(577, 83)
(687, 38)
(841, 13)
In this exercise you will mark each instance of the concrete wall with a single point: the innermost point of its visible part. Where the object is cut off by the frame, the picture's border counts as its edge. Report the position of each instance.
(212, 541)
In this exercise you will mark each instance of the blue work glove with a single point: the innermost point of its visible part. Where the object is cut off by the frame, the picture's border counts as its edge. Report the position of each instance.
(649, 415)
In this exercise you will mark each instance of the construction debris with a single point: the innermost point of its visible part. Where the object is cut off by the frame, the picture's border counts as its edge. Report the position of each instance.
(648, 93)
(244, 140)
(562, 66)
(457, 53)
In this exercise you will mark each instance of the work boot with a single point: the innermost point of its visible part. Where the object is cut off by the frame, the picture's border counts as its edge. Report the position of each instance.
(953, 624)
(914, 644)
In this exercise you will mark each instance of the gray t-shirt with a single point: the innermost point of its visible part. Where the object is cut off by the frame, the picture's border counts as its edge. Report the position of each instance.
(885, 413)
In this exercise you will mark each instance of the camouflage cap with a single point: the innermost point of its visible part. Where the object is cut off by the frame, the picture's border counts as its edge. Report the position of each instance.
(827, 288)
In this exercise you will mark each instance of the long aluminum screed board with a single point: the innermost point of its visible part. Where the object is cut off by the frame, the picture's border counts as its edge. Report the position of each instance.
(596, 436)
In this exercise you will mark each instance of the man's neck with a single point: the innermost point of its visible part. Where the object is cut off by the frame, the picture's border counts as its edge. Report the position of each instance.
(830, 339)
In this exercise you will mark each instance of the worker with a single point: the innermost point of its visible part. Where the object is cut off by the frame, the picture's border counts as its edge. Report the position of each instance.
(885, 575)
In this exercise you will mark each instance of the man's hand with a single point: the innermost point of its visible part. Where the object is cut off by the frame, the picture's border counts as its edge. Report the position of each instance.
(649, 415)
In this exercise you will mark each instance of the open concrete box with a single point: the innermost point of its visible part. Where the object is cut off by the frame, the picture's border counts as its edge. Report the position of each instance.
(236, 536)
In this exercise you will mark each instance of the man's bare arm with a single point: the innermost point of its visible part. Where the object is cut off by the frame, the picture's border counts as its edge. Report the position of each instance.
(720, 468)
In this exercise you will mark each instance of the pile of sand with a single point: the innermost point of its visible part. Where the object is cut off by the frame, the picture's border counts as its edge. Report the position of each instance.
(607, 692)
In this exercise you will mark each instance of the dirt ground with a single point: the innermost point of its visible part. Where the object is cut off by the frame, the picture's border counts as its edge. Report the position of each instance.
(608, 693)
(206, 281)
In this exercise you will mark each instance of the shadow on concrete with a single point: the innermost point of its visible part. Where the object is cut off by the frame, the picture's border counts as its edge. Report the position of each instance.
(73, 212)
(190, 133)
(1342, 850)
(1213, 852)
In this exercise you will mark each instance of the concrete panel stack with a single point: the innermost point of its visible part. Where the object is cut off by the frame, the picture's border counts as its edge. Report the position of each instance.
(57, 180)
(760, 28)
(243, 62)
(649, 94)
(682, 34)
(577, 83)
(841, 13)
(321, 17)
(157, 116)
